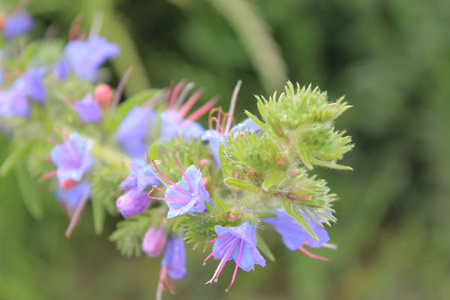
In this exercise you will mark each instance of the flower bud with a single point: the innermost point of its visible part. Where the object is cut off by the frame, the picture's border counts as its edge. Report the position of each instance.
(132, 203)
(154, 241)
(67, 183)
(103, 94)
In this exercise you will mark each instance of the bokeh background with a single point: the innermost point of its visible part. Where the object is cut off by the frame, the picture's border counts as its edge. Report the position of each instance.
(390, 58)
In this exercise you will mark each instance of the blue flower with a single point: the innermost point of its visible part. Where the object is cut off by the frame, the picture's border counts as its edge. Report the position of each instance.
(215, 138)
(175, 258)
(154, 241)
(71, 197)
(248, 125)
(62, 68)
(237, 243)
(88, 109)
(14, 102)
(17, 24)
(132, 203)
(293, 234)
(172, 125)
(85, 57)
(186, 196)
(73, 157)
(133, 130)
(141, 176)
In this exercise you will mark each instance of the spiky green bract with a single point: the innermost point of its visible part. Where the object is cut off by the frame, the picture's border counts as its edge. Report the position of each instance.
(303, 118)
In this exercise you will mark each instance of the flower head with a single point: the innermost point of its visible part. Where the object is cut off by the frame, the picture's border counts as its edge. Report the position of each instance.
(154, 241)
(141, 176)
(132, 203)
(85, 57)
(133, 130)
(73, 157)
(238, 243)
(186, 196)
(88, 109)
(17, 24)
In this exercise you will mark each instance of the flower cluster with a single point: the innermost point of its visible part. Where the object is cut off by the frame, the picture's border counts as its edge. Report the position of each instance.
(154, 163)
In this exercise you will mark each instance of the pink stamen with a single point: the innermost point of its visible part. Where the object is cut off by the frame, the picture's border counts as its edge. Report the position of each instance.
(120, 87)
(175, 93)
(237, 266)
(183, 95)
(232, 105)
(202, 110)
(46, 159)
(49, 174)
(217, 249)
(165, 193)
(202, 162)
(168, 180)
(313, 255)
(280, 160)
(230, 251)
(218, 238)
(175, 199)
(182, 172)
(189, 103)
(77, 214)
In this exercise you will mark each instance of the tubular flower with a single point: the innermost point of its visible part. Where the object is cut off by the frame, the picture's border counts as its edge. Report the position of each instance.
(238, 243)
(71, 197)
(132, 203)
(173, 121)
(14, 102)
(32, 84)
(295, 236)
(141, 176)
(133, 130)
(154, 241)
(186, 196)
(73, 157)
(85, 57)
(172, 264)
(88, 109)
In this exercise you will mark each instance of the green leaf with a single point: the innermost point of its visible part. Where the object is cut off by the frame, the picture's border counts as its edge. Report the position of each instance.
(262, 246)
(29, 190)
(274, 175)
(16, 156)
(242, 185)
(292, 210)
(98, 214)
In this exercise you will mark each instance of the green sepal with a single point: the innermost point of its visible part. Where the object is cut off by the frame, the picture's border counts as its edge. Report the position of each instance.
(293, 211)
(273, 176)
(99, 214)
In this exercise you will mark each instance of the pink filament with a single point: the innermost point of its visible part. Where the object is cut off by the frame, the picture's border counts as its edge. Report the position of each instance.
(312, 255)
(50, 174)
(174, 94)
(168, 180)
(237, 266)
(189, 103)
(217, 249)
(218, 238)
(202, 110)
(182, 172)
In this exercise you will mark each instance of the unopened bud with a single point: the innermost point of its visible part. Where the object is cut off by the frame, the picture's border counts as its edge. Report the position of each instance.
(132, 203)
(154, 241)
(67, 183)
(103, 94)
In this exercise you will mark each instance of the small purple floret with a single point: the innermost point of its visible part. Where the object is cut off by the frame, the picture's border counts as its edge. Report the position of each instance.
(72, 197)
(73, 157)
(85, 57)
(14, 102)
(88, 109)
(154, 241)
(172, 125)
(17, 24)
(132, 203)
(141, 176)
(175, 258)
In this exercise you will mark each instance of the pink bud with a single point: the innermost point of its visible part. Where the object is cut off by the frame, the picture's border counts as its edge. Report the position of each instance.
(205, 183)
(103, 94)
(154, 241)
(67, 183)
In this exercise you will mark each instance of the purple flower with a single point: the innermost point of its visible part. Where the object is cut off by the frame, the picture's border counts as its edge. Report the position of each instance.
(294, 235)
(141, 176)
(32, 84)
(14, 102)
(248, 125)
(175, 258)
(186, 196)
(62, 69)
(17, 24)
(88, 109)
(73, 158)
(154, 241)
(214, 137)
(132, 203)
(133, 130)
(238, 243)
(85, 57)
(71, 197)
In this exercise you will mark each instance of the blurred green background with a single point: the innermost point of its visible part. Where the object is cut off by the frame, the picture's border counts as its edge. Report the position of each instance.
(390, 58)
